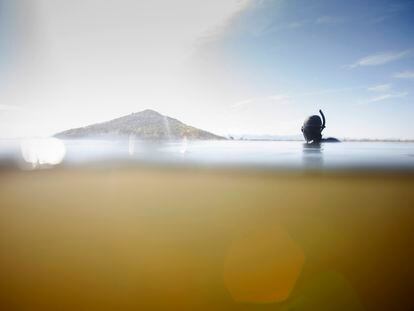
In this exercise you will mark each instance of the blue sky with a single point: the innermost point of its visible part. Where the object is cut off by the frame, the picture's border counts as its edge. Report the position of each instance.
(354, 59)
(228, 66)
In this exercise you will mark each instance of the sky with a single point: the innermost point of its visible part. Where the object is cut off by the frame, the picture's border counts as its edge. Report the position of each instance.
(233, 67)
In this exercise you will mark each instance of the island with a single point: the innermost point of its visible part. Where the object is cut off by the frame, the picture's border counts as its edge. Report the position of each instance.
(145, 125)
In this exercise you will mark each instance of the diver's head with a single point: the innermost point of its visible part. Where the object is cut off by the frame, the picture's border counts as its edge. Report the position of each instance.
(312, 128)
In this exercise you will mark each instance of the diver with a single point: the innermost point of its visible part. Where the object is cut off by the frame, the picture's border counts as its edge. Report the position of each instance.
(312, 129)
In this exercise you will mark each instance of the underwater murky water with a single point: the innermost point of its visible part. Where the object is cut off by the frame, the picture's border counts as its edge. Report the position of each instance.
(101, 233)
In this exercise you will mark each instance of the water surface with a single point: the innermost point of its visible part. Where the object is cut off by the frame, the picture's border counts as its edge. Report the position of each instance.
(265, 154)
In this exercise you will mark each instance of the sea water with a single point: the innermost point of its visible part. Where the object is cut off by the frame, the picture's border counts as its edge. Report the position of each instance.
(256, 154)
(105, 231)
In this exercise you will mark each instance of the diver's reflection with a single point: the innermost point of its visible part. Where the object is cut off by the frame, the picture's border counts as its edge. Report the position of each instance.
(312, 155)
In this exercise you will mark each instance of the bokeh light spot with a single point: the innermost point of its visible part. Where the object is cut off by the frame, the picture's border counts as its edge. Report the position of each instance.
(263, 267)
(43, 151)
(328, 291)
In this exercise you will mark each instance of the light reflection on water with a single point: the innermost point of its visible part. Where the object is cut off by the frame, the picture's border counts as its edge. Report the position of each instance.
(272, 154)
(268, 154)
(313, 155)
(43, 151)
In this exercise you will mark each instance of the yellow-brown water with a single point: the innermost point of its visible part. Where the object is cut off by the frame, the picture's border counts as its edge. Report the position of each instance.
(168, 239)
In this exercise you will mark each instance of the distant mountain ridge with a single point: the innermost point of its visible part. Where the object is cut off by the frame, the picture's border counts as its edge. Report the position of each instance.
(146, 125)
(268, 137)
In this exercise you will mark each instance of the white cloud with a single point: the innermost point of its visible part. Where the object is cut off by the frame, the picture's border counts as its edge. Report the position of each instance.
(279, 98)
(380, 59)
(329, 20)
(380, 88)
(11, 108)
(286, 99)
(405, 75)
(243, 103)
(389, 12)
(329, 91)
(289, 26)
(387, 96)
(272, 99)
(295, 25)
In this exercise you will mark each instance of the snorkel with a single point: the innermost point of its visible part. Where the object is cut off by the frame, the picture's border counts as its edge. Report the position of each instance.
(323, 120)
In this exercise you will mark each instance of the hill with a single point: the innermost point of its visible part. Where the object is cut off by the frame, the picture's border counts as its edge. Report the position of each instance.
(146, 125)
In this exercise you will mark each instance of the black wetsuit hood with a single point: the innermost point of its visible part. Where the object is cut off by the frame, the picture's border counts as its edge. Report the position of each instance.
(312, 128)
